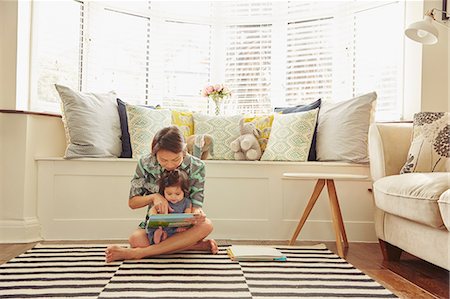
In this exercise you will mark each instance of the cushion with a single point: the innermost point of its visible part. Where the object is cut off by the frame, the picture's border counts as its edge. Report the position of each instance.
(444, 207)
(126, 143)
(184, 121)
(223, 129)
(291, 136)
(264, 124)
(342, 131)
(412, 196)
(300, 108)
(143, 123)
(91, 123)
(430, 149)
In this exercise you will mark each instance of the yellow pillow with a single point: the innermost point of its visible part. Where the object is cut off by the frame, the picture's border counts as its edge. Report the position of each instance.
(184, 121)
(264, 124)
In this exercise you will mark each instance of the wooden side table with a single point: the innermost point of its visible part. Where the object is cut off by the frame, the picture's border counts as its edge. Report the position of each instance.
(338, 223)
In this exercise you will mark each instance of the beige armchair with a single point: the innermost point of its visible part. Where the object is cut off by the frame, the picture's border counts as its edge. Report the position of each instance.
(412, 209)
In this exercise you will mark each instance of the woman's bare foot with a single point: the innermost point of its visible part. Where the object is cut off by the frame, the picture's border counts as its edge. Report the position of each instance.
(206, 245)
(117, 253)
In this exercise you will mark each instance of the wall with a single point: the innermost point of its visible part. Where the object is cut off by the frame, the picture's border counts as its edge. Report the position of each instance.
(435, 66)
(24, 137)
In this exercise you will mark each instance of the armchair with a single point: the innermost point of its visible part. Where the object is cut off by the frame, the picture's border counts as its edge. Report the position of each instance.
(412, 209)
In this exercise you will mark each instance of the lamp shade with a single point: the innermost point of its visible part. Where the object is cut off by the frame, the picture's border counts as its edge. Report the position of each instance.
(423, 31)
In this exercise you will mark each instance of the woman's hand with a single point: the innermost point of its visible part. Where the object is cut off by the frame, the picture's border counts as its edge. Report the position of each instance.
(160, 204)
(199, 216)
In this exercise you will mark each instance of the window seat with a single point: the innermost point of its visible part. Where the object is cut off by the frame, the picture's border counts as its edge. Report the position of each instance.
(88, 199)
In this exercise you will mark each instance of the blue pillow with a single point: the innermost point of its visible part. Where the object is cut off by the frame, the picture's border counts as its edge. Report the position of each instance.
(126, 143)
(302, 108)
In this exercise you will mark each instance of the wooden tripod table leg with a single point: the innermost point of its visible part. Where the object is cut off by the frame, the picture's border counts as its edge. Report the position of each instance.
(338, 223)
(312, 201)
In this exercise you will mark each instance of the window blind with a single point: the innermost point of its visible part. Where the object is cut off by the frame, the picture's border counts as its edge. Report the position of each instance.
(247, 67)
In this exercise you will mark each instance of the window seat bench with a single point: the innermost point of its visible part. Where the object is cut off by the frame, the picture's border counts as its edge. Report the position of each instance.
(88, 199)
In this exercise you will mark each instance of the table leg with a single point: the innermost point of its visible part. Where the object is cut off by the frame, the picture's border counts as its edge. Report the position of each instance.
(338, 223)
(312, 201)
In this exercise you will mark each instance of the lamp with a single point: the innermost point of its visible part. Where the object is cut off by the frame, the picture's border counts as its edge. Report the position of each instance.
(424, 31)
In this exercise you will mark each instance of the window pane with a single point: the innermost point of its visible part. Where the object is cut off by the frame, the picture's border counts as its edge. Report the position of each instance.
(186, 64)
(56, 50)
(247, 68)
(309, 61)
(117, 55)
(378, 57)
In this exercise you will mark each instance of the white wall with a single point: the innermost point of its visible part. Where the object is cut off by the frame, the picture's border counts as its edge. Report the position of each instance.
(435, 65)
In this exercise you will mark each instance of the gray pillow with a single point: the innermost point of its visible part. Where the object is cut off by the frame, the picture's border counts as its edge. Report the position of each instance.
(342, 132)
(91, 122)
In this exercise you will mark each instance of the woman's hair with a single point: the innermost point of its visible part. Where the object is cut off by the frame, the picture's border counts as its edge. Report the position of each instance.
(174, 178)
(169, 139)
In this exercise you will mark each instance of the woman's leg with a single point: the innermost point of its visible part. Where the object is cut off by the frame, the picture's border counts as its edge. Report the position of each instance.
(191, 239)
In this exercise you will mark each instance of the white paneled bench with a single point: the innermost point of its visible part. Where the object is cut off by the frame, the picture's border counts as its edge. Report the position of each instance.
(88, 199)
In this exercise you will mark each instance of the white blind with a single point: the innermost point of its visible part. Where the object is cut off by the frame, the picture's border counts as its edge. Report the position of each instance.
(309, 64)
(247, 67)
(56, 56)
(117, 54)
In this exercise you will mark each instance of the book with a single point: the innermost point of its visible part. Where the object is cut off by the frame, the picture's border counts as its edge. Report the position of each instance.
(254, 253)
(169, 220)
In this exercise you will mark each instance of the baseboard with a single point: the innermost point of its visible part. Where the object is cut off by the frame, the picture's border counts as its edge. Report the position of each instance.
(20, 231)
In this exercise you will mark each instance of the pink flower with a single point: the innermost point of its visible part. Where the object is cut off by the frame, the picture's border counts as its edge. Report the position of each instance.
(209, 89)
(218, 87)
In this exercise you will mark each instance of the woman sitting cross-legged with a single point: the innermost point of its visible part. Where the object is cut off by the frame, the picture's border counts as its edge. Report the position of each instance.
(168, 153)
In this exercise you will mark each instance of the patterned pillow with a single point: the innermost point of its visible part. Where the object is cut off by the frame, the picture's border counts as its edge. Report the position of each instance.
(264, 124)
(291, 136)
(184, 121)
(300, 108)
(430, 149)
(143, 123)
(223, 129)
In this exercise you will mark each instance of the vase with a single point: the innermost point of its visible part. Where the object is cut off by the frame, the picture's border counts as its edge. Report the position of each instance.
(217, 107)
(217, 101)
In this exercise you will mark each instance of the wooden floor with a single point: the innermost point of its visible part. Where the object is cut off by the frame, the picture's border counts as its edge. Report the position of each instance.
(409, 278)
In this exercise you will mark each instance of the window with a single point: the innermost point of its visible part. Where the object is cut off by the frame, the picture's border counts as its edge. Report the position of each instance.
(268, 53)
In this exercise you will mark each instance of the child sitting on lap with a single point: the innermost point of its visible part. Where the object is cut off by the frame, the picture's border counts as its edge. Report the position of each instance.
(173, 185)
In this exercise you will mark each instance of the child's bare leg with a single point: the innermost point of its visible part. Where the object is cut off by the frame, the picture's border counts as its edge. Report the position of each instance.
(186, 240)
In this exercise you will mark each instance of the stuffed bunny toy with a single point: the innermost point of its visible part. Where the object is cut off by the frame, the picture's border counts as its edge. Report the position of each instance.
(246, 146)
(200, 146)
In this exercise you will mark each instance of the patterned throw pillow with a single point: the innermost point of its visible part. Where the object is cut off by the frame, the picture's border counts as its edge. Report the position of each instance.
(264, 124)
(291, 136)
(223, 129)
(430, 149)
(184, 121)
(143, 123)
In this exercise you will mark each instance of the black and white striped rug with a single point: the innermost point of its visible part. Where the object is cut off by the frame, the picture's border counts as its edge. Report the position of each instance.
(79, 271)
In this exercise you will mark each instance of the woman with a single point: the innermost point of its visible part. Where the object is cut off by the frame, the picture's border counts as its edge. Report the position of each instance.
(168, 153)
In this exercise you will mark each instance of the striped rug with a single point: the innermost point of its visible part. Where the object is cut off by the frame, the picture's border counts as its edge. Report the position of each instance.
(79, 271)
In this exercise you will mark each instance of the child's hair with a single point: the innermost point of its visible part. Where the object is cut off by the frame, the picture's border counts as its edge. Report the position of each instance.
(174, 178)
(169, 139)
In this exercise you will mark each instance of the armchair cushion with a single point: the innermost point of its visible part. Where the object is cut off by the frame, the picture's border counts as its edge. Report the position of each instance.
(444, 207)
(413, 196)
(430, 146)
